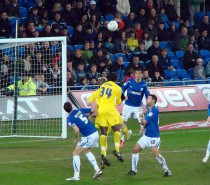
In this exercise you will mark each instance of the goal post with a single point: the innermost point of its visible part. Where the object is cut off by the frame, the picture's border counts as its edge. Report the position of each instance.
(33, 87)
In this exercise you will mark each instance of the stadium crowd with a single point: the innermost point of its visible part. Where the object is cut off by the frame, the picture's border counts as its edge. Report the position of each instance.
(151, 36)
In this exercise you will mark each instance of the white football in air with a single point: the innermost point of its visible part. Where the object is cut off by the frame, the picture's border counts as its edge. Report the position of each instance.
(112, 26)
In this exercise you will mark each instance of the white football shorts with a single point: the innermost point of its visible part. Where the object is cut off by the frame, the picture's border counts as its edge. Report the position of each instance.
(89, 141)
(148, 142)
(129, 110)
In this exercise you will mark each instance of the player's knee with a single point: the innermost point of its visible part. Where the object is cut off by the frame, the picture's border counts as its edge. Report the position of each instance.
(155, 152)
(75, 153)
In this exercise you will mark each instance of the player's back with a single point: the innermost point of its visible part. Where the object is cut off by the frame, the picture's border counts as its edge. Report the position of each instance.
(79, 118)
(110, 96)
(152, 118)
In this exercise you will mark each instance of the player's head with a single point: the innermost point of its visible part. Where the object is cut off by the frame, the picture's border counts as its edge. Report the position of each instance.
(151, 100)
(112, 77)
(67, 107)
(138, 74)
(101, 80)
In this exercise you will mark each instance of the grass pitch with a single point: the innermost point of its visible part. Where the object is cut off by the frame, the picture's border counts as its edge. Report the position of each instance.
(29, 161)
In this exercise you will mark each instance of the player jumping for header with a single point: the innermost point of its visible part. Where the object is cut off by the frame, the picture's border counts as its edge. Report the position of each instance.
(80, 123)
(136, 89)
(151, 138)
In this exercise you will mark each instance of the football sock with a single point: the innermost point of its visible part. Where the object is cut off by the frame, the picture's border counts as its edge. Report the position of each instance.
(92, 160)
(162, 162)
(103, 144)
(76, 165)
(125, 131)
(117, 140)
(208, 148)
(135, 160)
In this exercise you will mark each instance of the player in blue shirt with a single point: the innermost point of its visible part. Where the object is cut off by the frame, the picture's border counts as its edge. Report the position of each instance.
(78, 120)
(205, 159)
(136, 89)
(151, 139)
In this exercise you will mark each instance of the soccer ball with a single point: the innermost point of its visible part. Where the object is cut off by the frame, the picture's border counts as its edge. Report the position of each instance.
(112, 26)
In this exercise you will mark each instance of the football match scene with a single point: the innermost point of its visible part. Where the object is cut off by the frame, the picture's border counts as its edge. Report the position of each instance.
(109, 92)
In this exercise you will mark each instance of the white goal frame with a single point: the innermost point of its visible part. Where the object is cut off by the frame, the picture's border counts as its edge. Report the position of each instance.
(18, 42)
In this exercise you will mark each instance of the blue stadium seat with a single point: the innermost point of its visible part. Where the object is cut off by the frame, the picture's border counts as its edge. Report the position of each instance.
(23, 12)
(21, 52)
(200, 80)
(24, 20)
(126, 64)
(79, 46)
(180, 54)
(124, 17)
(9, 51)
(208, 80)
(166, 83)
(182, 73)
(170, 74)
(12, 21)
(70, 48)
(112, 57)
(54, 48)
(40, 28)
(163, 45)
(30, 3)
(129, 57)
(198, 17)
(177, 64)
(204, 53)
(205, 62)
(102, 19)
(143, 64)
(190, 72)
(70, 30)
(109, 17)
(172, 55)
(188, 81)
(121, 55)
(175, 82)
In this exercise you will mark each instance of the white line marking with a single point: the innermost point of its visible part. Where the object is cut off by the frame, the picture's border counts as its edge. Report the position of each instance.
(125, 154)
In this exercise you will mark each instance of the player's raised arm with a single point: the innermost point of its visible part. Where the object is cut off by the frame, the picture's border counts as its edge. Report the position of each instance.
(93, 97)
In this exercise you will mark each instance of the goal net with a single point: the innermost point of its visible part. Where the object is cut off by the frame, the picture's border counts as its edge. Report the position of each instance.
(33, 87)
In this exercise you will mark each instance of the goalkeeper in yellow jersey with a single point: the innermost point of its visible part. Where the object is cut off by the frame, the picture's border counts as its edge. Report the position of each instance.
(109, 95)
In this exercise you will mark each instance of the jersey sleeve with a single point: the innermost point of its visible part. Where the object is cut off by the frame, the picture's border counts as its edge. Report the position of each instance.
(70, 122)
(146, 91)
(119, 93)
(85, 110)
(209, 110)
(151, 115)
(94, 96)
(125, 86)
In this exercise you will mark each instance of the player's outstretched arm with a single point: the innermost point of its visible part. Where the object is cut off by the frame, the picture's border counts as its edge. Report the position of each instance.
(208, 119)
(76, 133)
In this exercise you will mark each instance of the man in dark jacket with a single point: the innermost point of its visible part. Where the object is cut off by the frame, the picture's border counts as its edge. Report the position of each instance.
(108, 6)
(154, 49)
(5, 26)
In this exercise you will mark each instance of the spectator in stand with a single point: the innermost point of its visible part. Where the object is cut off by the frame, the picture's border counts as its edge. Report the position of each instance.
(154, 17)
(134, 64)
(93, 10)
(33, 17)
(119, 69)
(55, 76)
(5, 79)
(194, 42)
(108, 6)
(128, 75)
(171, 11)
(123, 6)
(140, 51)
(77, 59)
(92, 47)
(14, 8)
(108, 46)
(146, 77)
(119, 20)
(205, 25)
(45, 18)
(155, 65)
(79, 10)
(196, 32)
(120, 44)
(148, 6)
(157, 79)
(132, 42)
(5, 61)
(104, 74)
(86, 4)
(84, 21)
(56, 8)
(163, 34)
(83, 83)
(154, 49)
(70, 80)
(203, 40)
(70, 69)
(79, 71)
(94, 22)
(46, 52)
(139, 31)
(25, 65)
(30, 30)
(40, 7)
(151, 30)
(46, 32)
(21, 31)
(163, 16)
(86, 53)
(4, 6)
(99, 40)
(146, 40)
(104, 30)
(93, 84)
(129, 22)
(92, 73)
(78, 35)
(41, 85)
(90, 34)
(181, 40)
(99, 60)
(136, 5)
(190, 57)
(108, 61)
(57, 19)
(56, 30)
(198, 70)
(186, 23)
(69, 15)
(142, 18)
(207, 69)
(172, 32)
(36, 63)
(165, 60)
(5, 26)
(64, 32)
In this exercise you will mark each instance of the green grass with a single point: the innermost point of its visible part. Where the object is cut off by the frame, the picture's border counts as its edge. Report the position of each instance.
(33, 161)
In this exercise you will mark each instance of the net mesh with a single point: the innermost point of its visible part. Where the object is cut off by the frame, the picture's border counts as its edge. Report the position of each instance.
(37, 68)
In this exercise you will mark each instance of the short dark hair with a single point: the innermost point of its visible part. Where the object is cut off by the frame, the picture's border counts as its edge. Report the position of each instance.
(112, 77)
(67, 107)
(153, 97)
(138, 70)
